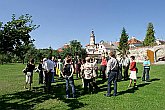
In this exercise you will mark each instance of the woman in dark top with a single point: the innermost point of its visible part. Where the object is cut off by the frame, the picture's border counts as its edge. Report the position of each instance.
(29, 73)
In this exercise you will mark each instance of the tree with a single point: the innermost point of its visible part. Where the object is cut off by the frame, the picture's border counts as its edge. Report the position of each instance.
(123, 44)
(16, 35)
(74, 49)
(150, 37)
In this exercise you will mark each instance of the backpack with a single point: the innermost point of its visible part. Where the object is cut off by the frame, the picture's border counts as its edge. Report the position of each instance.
(67, 70)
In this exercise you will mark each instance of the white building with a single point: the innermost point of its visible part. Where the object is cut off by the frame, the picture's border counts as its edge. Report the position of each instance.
(98, 49)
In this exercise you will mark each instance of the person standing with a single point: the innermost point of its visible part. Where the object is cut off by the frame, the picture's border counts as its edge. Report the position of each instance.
(40, 72)
(53, 71)
(68, 75)
(29, 73)
(126, 64)
(146, 69)
(78, 68)
(59, 68)
(112, 69)
(95, 68)
(88, 76)
(82, 71)
(133, 75)
(103, 67)
(48, 66)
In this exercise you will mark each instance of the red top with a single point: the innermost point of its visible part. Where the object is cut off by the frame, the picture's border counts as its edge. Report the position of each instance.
(133, 66)
(104, 62)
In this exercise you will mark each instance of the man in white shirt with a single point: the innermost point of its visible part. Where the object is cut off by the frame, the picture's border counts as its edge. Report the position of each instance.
(48, 67)
(112, 68)
(126, 63)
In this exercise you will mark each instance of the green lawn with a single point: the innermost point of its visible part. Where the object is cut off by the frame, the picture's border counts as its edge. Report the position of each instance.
(148, 96)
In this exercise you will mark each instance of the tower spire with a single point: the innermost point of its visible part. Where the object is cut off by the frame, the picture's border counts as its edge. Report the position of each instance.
(92, 38)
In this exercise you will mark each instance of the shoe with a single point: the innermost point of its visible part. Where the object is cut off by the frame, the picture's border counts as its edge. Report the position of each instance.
(74, 96)
(115, 95)
(107, 95)
(25, 87)
(67, 96)
(135, 86)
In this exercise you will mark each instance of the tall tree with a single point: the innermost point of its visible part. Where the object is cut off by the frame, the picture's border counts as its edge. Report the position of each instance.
(150, 37)
(123, 47)
(16, 35)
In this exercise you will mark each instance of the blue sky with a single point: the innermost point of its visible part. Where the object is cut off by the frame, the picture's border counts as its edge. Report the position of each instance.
(64, 20)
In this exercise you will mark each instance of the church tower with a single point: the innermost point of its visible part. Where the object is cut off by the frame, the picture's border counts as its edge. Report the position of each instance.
(92, 38)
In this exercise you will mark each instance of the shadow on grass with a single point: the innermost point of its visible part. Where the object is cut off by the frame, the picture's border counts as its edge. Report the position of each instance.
(132, 90)
(155, 79)
(28, 99)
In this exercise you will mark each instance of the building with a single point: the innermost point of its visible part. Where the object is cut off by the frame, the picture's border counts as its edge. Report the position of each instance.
(98, 49)
(133, 42)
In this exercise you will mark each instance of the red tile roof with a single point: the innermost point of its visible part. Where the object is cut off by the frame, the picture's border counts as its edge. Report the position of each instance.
(133, 40)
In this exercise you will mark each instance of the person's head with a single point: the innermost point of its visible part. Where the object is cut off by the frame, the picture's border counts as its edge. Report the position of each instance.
(59, 60)
(146, 58)
(41, 61)
(32, 60)
(87, 59)
(50, 57)
(44, 59)
(132, 57)
(53, 58)
(68, 60)
(103, 57)
(112, 54)
(83, 61)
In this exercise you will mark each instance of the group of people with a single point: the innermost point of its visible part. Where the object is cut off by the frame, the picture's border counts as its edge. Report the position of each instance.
(87, 70)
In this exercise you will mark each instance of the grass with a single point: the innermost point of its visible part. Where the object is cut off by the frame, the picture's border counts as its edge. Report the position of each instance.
(148, 96)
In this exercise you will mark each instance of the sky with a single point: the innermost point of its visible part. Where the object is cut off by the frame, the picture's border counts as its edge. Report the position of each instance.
(64, 20)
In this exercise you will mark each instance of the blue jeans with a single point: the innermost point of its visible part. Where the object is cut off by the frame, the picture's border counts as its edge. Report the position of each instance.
(112, 76)
(71, 82)
(53, 77)
(145, 73)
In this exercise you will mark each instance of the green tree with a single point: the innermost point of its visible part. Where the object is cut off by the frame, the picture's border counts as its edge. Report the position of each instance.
(16, 35)
(74, 49)
(123, 47)
(150, 37)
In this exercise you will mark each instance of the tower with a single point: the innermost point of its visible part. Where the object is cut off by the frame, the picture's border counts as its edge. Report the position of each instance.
(92, 38)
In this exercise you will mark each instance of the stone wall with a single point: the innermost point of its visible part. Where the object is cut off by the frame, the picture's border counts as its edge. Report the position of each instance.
(139, 53)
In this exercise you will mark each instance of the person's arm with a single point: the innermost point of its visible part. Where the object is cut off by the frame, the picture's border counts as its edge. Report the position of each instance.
(72, 71)
(108, 66)
(149, 63)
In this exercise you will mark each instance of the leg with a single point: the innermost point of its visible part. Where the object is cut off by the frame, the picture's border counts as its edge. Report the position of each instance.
(126, 72)
(130, 82)
(110, 79)
(67, 88)
(71, 81)
(90, 85)
(147, 74)
(115, 86)
(49, 81)
(134, 83)
(143, 76)
(85, 85)
(46, 82)
(52, 77)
